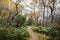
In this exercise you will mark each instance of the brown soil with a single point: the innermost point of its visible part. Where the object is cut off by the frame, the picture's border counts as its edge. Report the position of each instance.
(33, 35)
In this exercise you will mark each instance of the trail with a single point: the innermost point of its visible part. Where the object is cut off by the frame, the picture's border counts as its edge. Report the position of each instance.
(33, 36)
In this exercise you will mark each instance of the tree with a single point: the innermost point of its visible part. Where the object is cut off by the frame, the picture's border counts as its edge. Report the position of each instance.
(52, 9)
(16, 2)
(43, 11)
(14, 13)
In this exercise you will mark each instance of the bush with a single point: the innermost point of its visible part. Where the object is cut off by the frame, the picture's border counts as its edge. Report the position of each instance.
(50, 30)
(29, 22)
(2, 22)
(13, 33)
(3, 33)
(19, 20)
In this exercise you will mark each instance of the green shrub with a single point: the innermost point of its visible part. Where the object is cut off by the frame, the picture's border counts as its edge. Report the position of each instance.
(2, 23)
(13, 33)
(19, 20)
(3, 33)
(35, 28)
(50, 30)
(29, 22)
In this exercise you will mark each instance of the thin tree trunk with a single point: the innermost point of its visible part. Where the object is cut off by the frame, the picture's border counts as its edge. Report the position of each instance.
(47, 16)
(52, 12)
(16, 9)
(43, 12)
(34, 14)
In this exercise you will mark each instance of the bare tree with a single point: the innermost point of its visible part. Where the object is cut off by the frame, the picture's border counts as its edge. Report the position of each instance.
(16, 2)
(52, 10)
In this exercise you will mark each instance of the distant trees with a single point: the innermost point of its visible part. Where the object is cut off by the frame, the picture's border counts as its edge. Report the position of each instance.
(37, 10)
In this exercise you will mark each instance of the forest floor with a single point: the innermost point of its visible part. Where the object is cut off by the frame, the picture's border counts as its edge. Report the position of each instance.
(33, 35)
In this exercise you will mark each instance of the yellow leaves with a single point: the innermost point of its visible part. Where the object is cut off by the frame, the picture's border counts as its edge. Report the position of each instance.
(11, 4)
(20, 6)
(6, 2)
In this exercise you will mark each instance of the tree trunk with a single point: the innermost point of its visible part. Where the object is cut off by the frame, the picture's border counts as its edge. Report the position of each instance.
(52, 12)
(43, 12)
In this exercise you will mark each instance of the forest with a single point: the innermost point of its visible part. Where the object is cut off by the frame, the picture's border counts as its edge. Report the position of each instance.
(29, 19)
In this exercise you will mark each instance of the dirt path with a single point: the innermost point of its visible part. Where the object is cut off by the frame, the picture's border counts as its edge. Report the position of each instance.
(33, 36)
